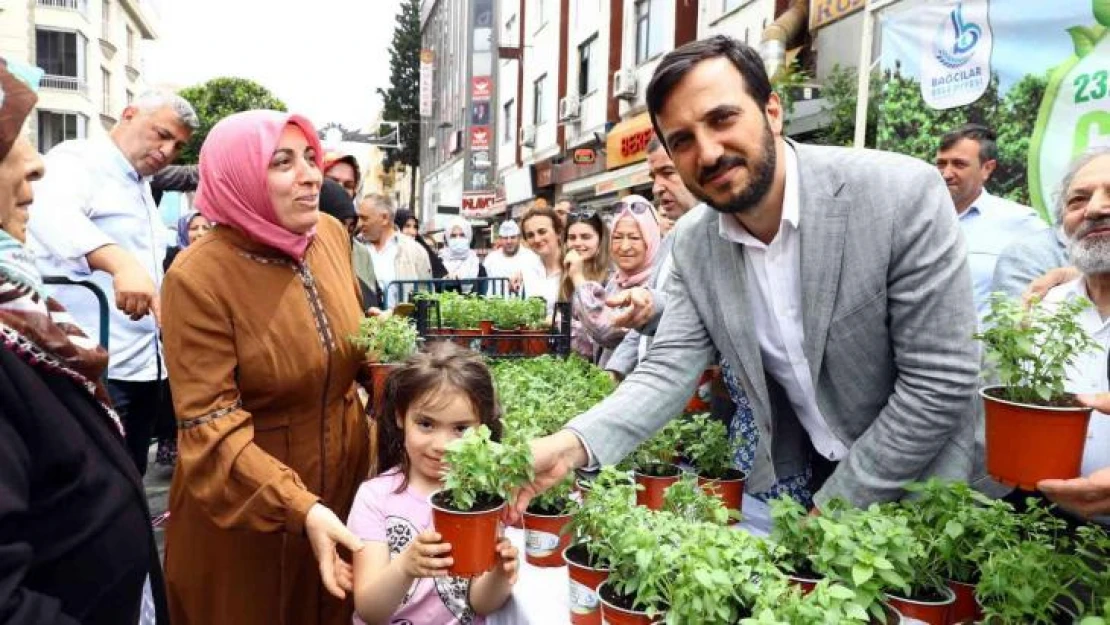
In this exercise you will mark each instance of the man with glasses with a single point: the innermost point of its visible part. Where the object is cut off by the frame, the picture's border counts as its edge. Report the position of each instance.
(511, 260)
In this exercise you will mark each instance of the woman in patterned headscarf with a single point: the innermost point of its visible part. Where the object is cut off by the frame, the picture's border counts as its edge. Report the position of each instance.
(272, 438)
(77, 543)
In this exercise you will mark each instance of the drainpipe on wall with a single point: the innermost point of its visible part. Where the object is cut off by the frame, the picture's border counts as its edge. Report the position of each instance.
(787, 29)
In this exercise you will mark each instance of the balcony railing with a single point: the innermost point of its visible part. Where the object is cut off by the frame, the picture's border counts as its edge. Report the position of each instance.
(65, 83)
(72, 5)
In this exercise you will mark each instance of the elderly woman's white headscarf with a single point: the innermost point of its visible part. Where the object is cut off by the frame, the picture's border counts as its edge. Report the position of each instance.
(461, 262)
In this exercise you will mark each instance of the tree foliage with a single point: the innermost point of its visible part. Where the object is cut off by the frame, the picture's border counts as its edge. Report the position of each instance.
(218, 98)
(899, 120)
(402, 100)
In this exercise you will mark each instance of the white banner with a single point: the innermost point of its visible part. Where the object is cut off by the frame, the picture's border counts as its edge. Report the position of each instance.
(427, 94)
(956, 43)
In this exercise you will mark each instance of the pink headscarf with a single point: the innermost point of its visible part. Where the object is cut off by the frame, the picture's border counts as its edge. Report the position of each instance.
(234, 162)
(649, 230)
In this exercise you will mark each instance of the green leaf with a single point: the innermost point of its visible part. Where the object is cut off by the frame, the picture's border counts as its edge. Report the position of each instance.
(1081, 40)
(861, 574)
(1101, 10)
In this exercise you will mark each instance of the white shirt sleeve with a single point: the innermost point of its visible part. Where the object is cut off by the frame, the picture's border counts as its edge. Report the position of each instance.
(61, 224)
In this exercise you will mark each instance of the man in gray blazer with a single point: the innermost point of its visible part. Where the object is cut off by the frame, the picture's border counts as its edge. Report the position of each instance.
(835, 278)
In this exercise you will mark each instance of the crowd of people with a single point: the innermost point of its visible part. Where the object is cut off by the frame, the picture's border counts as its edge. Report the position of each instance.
(837, 290)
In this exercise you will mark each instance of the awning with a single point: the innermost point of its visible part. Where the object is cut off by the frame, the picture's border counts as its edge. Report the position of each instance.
(610, 181)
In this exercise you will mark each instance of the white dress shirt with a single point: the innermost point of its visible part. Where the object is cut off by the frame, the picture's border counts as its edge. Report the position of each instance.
(90, 197)
(1088, 373)
(385, 261)
(498, 265)
(989, 226)
(773, 272)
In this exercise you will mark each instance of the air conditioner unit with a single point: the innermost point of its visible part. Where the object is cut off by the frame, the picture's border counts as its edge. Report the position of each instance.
(569, 108)
(528, 136)
(624, 84)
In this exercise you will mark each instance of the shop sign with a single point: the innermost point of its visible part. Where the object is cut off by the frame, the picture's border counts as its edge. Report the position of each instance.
(427, 79)
(584, 156)
(544, 174)
(481, 87)
(479, 137)
(627, 142)
(478, 205)
(825, 12)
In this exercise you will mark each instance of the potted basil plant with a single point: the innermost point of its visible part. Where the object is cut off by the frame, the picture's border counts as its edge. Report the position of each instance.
(706, 444)
(388, 340)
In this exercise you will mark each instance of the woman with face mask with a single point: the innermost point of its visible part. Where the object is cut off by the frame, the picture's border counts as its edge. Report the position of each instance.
(462, 263)
(272, 438)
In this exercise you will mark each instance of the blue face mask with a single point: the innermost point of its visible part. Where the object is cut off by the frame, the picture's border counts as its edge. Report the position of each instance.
(29, 74)
(458, 245)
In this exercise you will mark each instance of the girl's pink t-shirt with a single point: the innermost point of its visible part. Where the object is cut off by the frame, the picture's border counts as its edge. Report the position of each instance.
(381, 515)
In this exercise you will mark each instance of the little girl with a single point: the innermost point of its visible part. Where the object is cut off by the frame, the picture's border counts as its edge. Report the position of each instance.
(400, 575)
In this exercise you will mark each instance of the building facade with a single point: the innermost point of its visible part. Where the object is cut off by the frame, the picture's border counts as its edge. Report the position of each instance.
(91, 53)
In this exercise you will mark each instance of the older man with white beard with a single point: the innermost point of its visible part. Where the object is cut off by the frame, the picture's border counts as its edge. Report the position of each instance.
(1083, 210)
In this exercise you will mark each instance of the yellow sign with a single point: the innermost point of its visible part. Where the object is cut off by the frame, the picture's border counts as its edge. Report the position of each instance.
(627, 142)
(825, 12)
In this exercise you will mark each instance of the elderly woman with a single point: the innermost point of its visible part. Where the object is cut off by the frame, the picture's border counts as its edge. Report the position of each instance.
(273, 442)
(76, 544)
(634, 244)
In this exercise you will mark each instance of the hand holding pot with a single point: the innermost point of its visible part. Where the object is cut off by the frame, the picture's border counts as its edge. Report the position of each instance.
(553, 457)
(510, 560)
(426, 556)
(1086, 496)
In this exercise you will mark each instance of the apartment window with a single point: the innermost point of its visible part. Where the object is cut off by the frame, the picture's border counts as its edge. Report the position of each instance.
(508, 122)
(57, 127)
(538, 102)
(651, 28)
(729, 5)
(130, 47)
(587, 72)
(106, 19)
(61, 55)
(106, 104)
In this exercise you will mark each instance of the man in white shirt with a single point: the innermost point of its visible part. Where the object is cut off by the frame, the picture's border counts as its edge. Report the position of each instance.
(512, 261)
(96, 220)
(396, 257)
(1084, 211)
(834, 279)
(967, 158)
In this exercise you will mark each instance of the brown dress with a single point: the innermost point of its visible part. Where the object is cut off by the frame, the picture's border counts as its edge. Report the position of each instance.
(262, 374)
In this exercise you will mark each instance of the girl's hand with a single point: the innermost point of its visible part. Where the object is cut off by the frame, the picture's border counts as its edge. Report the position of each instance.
(573, 262)
(510, 560)
(425, 556)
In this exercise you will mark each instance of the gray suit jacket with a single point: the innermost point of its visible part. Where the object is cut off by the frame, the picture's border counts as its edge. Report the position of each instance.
(888, 320)
(625, 356)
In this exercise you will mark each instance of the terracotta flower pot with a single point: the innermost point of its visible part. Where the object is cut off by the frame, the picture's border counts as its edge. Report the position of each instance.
(585, 608)
(1027, 444)
(465, 337)
(651, 496)
(893, 616)
(612, 614)
(697, 403)
(379, 373)
(472, 535)
(544, 540)
(931, 611)
(535, 342)
(805, 582)
(730, 489)
(506, 345)
(966, 608)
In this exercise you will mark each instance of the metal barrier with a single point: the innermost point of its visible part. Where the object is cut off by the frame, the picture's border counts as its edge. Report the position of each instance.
(101, 299)
(498, 343)
(406, 290)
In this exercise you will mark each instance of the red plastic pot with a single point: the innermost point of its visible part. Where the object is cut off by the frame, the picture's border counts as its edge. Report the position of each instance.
(966, 608)
(544, 541)
(730, 490)
(651, 496)
(473, 536)
(379, 373)
(614, 615)
(465, 337)
(937, 612)
(535, 342)
(696, 403)
(807, 584)
(585, 608)
(506, 345)
(1027, 444)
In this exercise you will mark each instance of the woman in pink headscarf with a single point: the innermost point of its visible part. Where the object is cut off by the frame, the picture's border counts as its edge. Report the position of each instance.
(272, 441)
(633, 245)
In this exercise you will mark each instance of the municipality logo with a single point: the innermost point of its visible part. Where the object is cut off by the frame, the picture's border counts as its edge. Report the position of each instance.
(956, 39)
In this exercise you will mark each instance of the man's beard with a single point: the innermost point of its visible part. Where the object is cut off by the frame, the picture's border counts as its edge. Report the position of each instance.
(1090, 256)
(762, 177)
